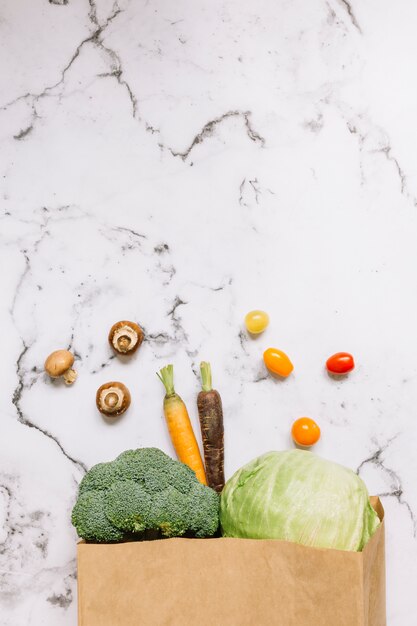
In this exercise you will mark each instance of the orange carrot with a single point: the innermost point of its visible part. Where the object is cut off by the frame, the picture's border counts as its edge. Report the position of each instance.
(179, 426)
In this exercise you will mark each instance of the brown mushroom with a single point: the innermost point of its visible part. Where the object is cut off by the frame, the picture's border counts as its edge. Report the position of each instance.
(59, 363)
(125, 337)
(113, 399)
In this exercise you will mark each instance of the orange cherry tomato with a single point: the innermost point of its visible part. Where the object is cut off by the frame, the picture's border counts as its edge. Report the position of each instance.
(305, 432)
(340, 363)
(278, 362)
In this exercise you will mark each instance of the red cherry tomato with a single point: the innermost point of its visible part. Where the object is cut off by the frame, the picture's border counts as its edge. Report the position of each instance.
(340, 363)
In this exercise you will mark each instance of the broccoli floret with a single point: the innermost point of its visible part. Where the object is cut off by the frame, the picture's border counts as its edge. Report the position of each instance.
(170, 513)
(182, 477)
(99, 477)
(144, 490)
(90, 520)
(202, 503)
(127, 506)
(132, 465)
(151, 468)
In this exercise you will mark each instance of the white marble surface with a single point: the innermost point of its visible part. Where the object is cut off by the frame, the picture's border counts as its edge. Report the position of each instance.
(179, 163)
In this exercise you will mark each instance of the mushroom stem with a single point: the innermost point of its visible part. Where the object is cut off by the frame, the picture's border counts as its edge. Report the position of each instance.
(70, 376)
(111, 400)
(125, 339)
(124, 343)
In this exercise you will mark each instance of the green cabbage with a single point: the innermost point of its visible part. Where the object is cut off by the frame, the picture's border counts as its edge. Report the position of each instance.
(297, 496)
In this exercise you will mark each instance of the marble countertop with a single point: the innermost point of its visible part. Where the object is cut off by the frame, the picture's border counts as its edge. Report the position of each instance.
(180, 164)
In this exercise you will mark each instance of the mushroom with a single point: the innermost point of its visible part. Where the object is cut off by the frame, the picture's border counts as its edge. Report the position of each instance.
(113, 399)
(59, 363)
(125, 337)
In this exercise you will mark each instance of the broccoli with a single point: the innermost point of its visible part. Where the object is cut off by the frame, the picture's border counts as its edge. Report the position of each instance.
(143, 493)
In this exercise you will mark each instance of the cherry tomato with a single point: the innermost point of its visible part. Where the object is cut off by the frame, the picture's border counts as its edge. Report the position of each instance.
(340, 363)
(256, 322)
(305, 432)
(278, 362)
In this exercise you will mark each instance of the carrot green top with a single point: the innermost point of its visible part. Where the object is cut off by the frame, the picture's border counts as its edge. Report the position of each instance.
(166, 376)
(205, 370)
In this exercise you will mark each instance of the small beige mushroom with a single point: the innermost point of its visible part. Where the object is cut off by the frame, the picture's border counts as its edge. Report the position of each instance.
(125, 337)
(59, 363)
(113, 399)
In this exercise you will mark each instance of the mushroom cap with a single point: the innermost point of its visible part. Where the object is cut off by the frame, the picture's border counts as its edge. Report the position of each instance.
(120, 396)
(134, 336)
(58, 363)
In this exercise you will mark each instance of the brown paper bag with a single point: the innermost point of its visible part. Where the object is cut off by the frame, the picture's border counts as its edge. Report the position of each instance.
(231, 582)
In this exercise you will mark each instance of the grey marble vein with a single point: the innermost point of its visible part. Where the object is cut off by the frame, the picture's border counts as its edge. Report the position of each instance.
(210, 127)
(348, 7)
(25, 419)
(396, 489)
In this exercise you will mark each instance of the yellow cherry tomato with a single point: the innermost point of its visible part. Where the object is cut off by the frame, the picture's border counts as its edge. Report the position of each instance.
(278, 362)
(256, 322)
(305, 432)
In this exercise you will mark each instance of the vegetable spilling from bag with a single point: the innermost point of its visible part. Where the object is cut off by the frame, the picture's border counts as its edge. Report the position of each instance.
(300, 497)
(293, 496)
(143, 494)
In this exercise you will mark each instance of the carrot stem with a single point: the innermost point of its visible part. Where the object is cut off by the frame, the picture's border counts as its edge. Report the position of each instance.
(166, 376)
(206, 381)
